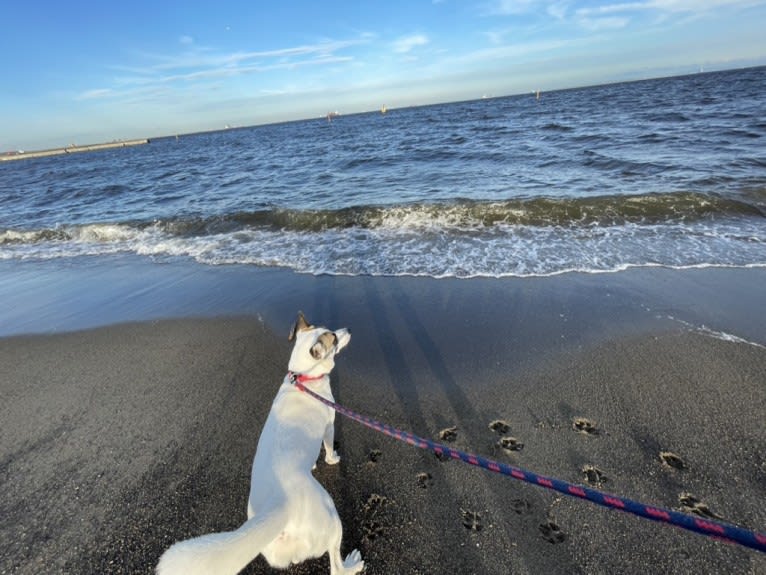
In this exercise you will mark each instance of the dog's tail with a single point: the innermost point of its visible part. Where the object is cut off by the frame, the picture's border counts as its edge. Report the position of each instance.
(223, 553)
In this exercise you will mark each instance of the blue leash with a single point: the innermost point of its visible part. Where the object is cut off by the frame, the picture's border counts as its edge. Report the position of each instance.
(710, 527)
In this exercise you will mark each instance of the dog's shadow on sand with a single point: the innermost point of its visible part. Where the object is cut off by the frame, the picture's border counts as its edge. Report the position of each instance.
(413, 369)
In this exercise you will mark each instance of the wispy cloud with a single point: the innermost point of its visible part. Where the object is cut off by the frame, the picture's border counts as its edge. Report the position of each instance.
(203, 57)
(608, 23)
(194, 64)
(408, 43)
(670, 6)
(95, 94)
(511, 52)
(508, 7)
(558, 10)
(620, 14)
(585, 12)
(698, 5)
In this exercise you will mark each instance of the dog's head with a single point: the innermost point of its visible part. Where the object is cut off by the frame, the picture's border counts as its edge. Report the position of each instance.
(315, 347)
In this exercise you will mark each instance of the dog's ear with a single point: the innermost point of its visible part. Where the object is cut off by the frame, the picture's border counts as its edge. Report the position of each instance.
(299, 325)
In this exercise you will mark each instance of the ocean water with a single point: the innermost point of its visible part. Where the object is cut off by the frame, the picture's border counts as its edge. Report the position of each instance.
(668, 172)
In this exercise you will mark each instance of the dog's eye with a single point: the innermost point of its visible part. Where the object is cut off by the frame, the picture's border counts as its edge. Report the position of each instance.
(317, 350)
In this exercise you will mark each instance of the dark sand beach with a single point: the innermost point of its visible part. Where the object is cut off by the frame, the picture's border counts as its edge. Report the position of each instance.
(138, 429)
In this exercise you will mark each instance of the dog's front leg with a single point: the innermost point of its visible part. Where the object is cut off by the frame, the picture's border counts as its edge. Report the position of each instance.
(331, 456)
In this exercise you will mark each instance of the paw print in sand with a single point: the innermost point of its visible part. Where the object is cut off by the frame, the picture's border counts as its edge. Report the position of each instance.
(672, 460)
(372, 527)
(594, 475)
(692, 504)
(552, 533)
(471, 520)
(500, 426)
(448, 434)
(585, 426)
(510, 444)
(425, 480)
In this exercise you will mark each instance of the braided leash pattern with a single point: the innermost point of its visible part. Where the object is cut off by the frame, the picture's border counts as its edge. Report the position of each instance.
(712, 528)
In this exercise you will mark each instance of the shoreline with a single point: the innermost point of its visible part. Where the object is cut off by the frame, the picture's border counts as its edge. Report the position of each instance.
(51, 296)
(132, 423)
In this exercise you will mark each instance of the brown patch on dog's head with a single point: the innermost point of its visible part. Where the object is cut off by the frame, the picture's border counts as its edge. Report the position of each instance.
(324, 345)
(300, 325)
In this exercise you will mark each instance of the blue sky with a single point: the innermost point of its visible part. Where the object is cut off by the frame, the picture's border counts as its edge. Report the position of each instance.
(83, 72)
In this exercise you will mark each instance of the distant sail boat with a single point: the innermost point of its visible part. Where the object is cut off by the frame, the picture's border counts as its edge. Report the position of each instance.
(383, 110)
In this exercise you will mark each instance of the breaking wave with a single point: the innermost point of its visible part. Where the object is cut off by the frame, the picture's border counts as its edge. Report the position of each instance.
(463, 238)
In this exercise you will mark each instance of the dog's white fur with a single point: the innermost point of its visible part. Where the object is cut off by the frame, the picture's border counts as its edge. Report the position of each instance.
(290, 515)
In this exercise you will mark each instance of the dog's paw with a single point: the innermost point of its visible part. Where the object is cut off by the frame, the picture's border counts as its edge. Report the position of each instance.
(353, 563)
(332, 458)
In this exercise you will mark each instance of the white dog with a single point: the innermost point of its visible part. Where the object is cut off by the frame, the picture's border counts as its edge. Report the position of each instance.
(291, 517)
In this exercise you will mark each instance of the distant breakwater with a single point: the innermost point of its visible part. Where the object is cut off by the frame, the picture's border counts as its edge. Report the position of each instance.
(20, 155)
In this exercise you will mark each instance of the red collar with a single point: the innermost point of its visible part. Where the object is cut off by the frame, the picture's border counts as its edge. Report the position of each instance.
(303, 378)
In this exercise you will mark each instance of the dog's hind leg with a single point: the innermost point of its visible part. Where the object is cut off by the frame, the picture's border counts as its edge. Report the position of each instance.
(352, 564)
(224, 553)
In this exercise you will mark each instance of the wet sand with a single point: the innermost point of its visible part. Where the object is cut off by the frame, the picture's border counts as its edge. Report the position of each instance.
(118, 440)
